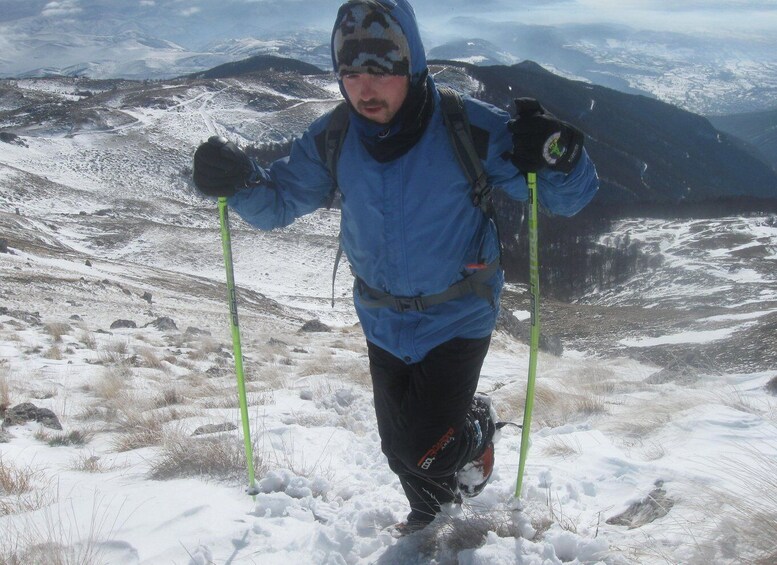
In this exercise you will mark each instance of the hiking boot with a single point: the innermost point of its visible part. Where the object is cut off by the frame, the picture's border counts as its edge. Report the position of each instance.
(406, 528)
(473, 477)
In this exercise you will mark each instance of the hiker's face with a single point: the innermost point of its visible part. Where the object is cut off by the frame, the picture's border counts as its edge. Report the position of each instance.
(376, 97)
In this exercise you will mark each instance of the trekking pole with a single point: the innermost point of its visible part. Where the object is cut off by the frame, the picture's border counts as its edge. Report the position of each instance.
(226, 244)
(534, 295)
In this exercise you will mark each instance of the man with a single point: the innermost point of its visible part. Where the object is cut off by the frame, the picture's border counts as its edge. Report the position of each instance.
(426, 260)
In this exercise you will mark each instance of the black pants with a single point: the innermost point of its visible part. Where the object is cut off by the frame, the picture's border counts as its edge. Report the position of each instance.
(421, 411)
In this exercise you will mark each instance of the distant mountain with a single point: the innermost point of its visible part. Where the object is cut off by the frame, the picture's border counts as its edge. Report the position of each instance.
(475, 51)
(646, 151)
(259, 63)
(759, 129)
(708, 75)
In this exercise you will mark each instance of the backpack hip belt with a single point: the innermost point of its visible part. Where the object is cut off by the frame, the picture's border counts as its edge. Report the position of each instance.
(476, 283)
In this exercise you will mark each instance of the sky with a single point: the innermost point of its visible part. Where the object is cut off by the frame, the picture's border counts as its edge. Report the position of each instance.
(717, 17)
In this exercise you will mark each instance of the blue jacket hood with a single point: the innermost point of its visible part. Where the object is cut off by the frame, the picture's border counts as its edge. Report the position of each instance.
(403, 12)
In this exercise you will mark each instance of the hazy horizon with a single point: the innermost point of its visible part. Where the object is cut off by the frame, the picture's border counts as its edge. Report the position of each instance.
(194, 23)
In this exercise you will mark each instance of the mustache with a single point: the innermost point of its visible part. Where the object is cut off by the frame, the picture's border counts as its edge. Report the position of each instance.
(371, 103)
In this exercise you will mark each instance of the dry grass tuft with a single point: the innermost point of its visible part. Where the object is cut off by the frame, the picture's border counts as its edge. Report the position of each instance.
(22, 489)
(640, 425)
(346, 369)
(14, 480)
(138, 438)
(220, 457)
(287, 456)
(75, 437)
(111, 386)
(87, 339)
(229, 399)
(54, 353)
(5, 390)
(144, 428)
(589, 405)
(734, 399)
(58, 537)
(561, 447)
(150, 359)
(57, 330)
(170, 396)
(748, 520)
(91, 463)
(204, 347)
(448, 536)
(552, 408)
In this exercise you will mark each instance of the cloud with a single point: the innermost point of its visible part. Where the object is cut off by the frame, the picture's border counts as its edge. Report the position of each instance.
(147, 3)
(189, 11)
(63, 8)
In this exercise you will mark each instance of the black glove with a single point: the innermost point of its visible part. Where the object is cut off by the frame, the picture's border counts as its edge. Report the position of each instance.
(221, 168)
(541, 140)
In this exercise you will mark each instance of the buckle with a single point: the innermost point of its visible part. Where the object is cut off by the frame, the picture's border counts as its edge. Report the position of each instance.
(482, 193)
(413, 303)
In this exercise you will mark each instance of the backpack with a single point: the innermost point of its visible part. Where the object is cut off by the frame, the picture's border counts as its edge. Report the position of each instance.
(460, 133)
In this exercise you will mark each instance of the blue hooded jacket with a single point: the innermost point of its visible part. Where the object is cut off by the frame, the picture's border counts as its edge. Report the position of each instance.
(408, 226)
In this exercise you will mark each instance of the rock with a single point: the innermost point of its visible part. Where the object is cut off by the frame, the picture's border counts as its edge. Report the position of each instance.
(88, 263)
(147, 297)
(163, 323)
(12, 138)
(214, 428)
(4, 246)
(5, 436)
(771, 386)
(123, 324)
(275, 341)
(508, 323)
(26, 412)
(76, 318)
(191, 330)
(313, 326)
(32, 318)
(656, 505)
(684, 369)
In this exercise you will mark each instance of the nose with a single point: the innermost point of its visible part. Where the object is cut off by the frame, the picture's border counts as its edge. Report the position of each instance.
(368, 87)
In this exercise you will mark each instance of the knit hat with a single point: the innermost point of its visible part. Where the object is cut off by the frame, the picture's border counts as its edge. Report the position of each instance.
(369, 40)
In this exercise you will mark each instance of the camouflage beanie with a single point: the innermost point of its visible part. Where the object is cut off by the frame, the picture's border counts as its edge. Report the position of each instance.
(369, 40)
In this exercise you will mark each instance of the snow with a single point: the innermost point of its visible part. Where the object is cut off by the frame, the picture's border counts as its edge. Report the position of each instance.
(684, 337)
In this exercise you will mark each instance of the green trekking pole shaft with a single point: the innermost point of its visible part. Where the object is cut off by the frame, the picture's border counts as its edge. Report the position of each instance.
(534, 294)
(226, 245)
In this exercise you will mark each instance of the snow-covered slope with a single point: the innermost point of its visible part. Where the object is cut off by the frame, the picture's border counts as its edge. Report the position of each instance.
(646, 448)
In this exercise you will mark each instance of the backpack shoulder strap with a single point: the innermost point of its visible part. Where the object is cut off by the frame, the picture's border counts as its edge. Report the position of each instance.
(334, 136)
(457, 123)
